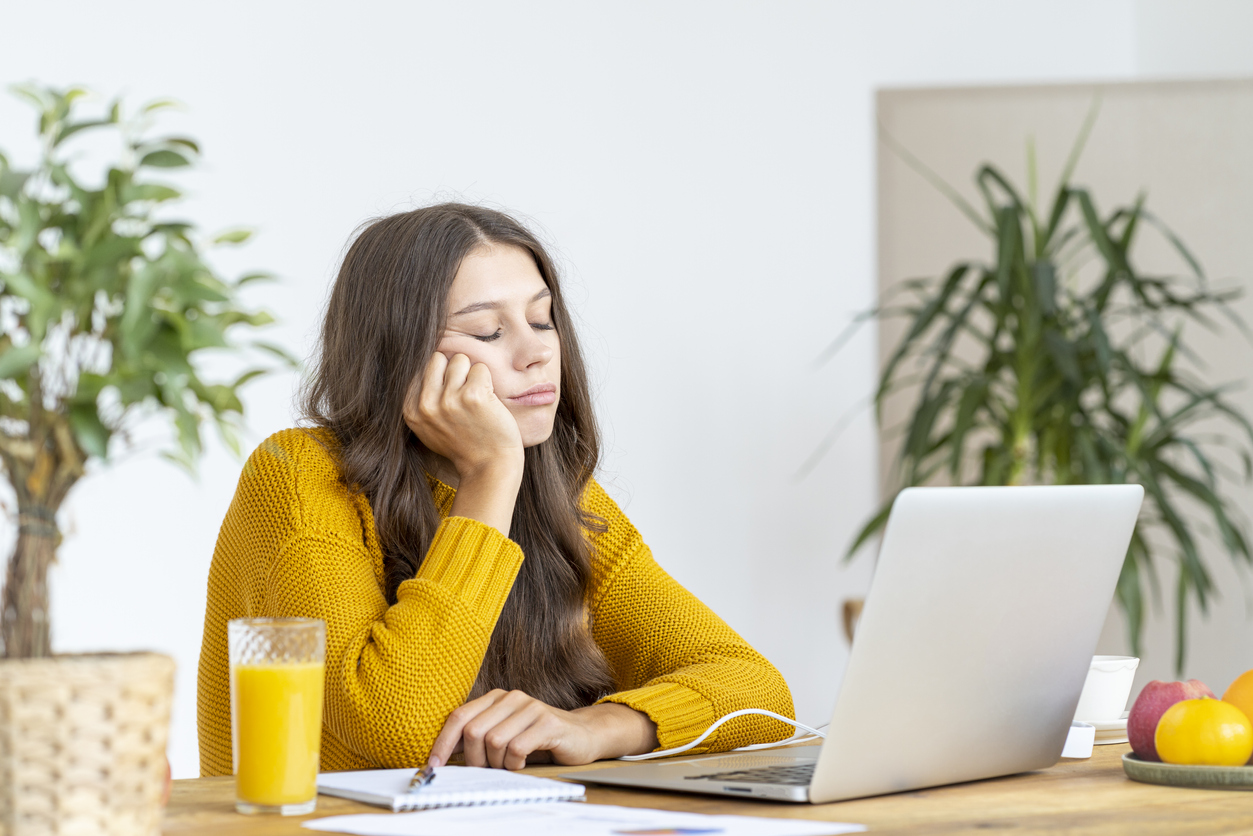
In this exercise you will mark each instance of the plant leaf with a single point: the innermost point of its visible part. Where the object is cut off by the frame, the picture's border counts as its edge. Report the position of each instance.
(90, 433)
(15, 360)
(870, 529)
(149, 191)
(164, 158)
(233, 236)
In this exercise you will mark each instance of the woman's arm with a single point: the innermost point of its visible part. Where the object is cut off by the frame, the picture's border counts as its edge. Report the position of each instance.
(394, 673)
(296, 542)
(679, 666)
(674, 659)
(453, 409)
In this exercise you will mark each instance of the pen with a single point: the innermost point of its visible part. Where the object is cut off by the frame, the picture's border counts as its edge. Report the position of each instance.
(421, 778)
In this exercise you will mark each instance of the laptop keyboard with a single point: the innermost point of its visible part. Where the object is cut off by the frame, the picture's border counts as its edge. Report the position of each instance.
(798, 775)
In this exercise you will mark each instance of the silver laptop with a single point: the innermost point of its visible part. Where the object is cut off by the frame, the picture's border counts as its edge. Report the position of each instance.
(971, 651)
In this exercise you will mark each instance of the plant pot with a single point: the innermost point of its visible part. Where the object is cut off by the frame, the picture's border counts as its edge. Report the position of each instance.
(82, 743)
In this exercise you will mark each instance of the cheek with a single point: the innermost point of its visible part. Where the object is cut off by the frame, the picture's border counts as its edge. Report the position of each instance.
(478, 352)
(471, 348)
(555, 344)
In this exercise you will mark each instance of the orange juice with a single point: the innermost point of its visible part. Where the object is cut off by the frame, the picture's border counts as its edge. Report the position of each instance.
(278, 726)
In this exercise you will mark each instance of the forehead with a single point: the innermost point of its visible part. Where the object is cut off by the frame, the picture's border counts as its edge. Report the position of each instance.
(495, 273)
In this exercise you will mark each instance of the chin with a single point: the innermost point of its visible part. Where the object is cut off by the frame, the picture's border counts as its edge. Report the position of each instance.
(534, 440)
(536, 433)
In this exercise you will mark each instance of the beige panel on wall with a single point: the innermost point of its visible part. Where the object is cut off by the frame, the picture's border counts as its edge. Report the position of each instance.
(1189, 147)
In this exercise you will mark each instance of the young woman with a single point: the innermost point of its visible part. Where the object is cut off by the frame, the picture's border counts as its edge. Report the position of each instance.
(482, 593)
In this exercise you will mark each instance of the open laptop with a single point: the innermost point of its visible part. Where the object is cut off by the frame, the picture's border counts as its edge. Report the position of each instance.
(971, 651)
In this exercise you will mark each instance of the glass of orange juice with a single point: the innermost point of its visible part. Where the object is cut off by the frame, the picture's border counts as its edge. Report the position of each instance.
(276, 712)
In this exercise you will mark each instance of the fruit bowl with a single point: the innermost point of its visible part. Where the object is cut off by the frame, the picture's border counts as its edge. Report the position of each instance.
(1180, 775)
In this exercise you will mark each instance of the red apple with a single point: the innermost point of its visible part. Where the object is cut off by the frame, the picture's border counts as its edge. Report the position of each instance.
(1149, 707)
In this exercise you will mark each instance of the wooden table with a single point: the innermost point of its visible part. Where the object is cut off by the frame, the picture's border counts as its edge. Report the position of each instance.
(1075, 796)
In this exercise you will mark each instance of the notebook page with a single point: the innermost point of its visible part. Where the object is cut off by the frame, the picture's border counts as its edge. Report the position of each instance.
(453, 785)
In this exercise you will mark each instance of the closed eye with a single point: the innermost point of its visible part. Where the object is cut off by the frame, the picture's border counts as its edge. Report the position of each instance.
(539, 326)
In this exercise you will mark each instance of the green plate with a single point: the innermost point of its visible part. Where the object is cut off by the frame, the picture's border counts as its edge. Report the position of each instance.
(1179, 775)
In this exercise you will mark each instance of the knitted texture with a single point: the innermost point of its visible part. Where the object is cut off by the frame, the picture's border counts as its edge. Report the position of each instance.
(296, 542)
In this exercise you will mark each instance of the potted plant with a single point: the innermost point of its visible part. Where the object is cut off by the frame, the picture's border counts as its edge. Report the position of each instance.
(1060, 362)
(106, 306)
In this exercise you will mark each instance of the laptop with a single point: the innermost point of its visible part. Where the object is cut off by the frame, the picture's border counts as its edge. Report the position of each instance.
(977, 634)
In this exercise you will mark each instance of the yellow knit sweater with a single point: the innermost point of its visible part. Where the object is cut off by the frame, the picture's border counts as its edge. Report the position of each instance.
(295, 542)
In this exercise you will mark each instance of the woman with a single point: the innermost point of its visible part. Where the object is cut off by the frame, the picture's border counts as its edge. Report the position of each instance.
(482, 593)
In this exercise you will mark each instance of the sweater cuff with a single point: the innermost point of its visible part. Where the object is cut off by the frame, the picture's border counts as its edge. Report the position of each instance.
(680, 713)
(474, 561)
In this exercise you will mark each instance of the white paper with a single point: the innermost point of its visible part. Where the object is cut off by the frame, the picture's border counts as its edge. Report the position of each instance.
(452, 785)
(1079, 740)
(567, 819)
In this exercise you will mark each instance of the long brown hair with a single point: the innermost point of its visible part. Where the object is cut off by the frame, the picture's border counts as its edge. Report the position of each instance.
(383, 322)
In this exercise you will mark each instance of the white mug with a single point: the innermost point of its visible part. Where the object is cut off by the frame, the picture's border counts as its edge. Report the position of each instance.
(1106, 689)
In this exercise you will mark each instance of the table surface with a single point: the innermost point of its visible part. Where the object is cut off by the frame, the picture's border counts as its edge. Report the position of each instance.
(1075, 796)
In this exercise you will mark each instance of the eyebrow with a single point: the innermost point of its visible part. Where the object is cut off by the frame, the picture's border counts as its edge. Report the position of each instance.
(491, 306)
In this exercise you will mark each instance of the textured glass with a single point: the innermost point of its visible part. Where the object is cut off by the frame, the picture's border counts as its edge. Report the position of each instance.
(259, 640)
(277, 670)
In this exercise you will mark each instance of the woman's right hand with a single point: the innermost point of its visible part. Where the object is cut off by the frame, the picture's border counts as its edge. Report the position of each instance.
(454, 411)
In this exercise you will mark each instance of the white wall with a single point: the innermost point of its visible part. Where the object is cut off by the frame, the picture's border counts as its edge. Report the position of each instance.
(706, 171)
(1193, 38)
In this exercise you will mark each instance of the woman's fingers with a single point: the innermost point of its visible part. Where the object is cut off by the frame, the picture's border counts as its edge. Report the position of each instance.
(423, 399)
(455, 375)
(450, 736)
(536, 737)
(500, 729)
(492, 722)
(479, 380)
(501, 742)
(439, 396)
(458, 416)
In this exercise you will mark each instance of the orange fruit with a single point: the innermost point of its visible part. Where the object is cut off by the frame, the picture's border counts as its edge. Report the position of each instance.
(1205, 731)
(1240, 693)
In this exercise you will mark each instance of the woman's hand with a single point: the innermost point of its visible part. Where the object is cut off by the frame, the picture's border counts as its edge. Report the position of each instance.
(501, 728)
(454, 411)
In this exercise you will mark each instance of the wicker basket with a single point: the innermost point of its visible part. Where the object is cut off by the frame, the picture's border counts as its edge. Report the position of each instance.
(82, 744)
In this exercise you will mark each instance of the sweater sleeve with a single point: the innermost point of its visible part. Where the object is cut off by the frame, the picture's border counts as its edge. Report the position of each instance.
(394, 673)
(297, 542)
(672, 657)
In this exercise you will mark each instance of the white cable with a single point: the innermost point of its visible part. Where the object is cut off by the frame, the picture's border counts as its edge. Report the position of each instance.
(797, 738)
(813, 733)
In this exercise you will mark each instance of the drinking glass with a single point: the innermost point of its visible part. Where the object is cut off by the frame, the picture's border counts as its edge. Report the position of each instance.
(276, 712)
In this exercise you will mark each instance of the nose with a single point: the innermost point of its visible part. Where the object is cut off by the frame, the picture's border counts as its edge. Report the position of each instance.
(533, 351)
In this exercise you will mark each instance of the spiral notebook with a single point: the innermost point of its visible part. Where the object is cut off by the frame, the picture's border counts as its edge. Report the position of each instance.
(453, 786)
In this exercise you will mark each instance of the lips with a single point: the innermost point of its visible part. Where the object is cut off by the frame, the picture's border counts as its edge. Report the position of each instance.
(539, 395)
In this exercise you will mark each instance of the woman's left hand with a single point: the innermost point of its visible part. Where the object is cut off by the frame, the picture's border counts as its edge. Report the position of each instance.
(501, 728)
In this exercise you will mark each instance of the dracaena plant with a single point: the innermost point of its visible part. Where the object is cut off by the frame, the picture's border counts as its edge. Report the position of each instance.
(105, 309)
(1060, 361)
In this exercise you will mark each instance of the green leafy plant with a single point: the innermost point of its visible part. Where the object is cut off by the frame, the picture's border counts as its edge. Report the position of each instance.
(105, 307)
(1060, 362)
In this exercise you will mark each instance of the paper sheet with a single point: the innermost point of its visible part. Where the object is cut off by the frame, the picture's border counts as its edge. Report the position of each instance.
(452, 784)
(1079, 740)
(569, 819)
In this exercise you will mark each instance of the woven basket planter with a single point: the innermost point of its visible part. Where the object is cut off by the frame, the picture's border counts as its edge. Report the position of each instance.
(82, 744)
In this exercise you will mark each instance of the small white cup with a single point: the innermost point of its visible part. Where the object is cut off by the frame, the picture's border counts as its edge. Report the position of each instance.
(1106, 689)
